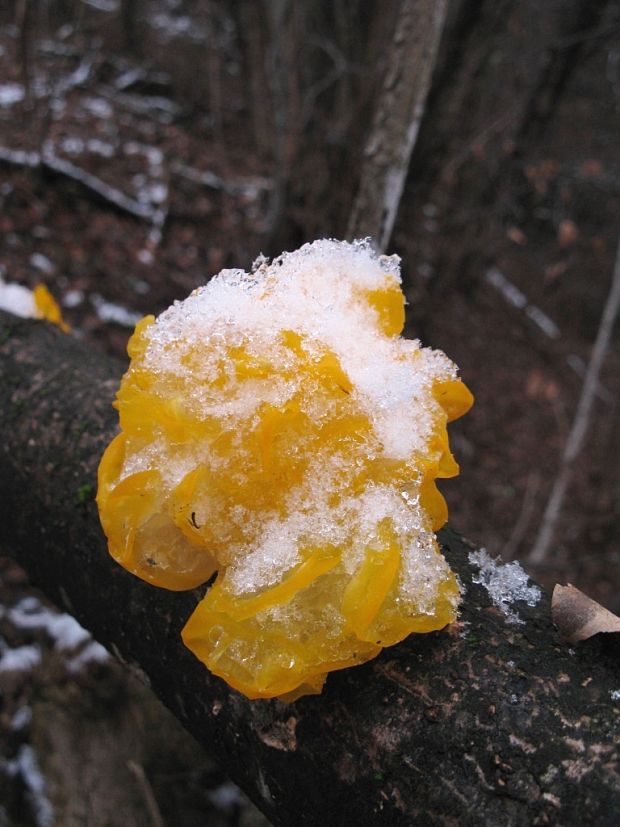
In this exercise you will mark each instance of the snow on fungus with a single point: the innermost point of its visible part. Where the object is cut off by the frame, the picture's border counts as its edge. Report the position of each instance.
(277, 429)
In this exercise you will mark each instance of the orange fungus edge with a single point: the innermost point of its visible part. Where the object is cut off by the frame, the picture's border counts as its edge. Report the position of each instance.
(176, 534)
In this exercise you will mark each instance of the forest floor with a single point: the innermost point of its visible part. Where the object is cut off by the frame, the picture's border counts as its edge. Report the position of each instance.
(122, 194)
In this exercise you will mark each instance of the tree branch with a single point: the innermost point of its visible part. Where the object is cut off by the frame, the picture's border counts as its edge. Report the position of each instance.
(581, 421)
(397, 119)
(60, 166)
(487, 722)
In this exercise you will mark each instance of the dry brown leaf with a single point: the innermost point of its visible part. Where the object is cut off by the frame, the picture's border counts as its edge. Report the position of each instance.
(516, 235)
(568, 233)
(578, 617)
(537, 386)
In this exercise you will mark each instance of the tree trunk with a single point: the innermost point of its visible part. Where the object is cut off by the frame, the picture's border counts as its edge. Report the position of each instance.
(398, 115)
(501, 68)
(323, 67)
(487, 722)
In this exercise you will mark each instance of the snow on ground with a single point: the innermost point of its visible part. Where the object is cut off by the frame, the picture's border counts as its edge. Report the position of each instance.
(25, 765)
(66, 634)
(16, 299)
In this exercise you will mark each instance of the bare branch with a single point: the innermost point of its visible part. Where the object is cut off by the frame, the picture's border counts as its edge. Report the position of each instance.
(47, 159)
(90, 182)
(443, 728)
(574, 443)
(137, 770)
(510, 549)
(206, 178)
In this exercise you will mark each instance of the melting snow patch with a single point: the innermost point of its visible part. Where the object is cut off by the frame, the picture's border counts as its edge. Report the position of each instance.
(27, 767)
(21, 719)
(11, 93)
(103, 148)
(226, 795)
(64, 630)
(17, 300)
(72, 146)
(20, 659)
(93, 652)
(171, 26)
(505, 583)
(73, 298)
(30, 613)
(109, 312)
(98, 107)
(42, 263)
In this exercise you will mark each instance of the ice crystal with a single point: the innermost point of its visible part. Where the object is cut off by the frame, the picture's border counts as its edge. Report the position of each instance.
(506, 583)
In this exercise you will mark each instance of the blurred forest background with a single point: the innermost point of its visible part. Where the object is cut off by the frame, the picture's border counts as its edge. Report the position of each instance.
(146, 144)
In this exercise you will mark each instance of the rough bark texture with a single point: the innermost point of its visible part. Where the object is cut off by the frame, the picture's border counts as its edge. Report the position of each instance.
(484, 723)
(397, 118)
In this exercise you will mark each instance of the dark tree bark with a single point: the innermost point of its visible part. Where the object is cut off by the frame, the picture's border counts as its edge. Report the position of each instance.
(484, 723)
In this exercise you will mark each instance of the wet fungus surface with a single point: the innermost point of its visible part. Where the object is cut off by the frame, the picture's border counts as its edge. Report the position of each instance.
(278, 430)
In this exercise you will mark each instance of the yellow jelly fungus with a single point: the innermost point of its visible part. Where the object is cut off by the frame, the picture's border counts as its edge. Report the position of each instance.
(278, 430)
(46, 307)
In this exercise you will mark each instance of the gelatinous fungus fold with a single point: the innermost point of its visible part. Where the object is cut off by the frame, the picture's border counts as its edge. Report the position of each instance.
(277, 429)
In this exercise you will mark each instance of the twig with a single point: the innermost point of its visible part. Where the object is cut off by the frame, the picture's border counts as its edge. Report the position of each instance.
(94, 184)
(525, 515)
(580, 423)
(511, 293)
(129, 77)
(155, 212)
(157, 107)
(340, 66)
(79, 77)
(47, 159)
(239, 186)
(147, 792)
(481, 138)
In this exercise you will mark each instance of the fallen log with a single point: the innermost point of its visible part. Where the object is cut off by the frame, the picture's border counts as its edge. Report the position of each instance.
(492, 721)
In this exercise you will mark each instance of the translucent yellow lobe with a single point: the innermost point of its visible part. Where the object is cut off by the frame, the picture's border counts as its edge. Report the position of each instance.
(47, 307)
(231, 451)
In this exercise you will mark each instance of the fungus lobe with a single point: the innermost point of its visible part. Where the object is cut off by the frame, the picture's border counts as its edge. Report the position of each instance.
(277, 429)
